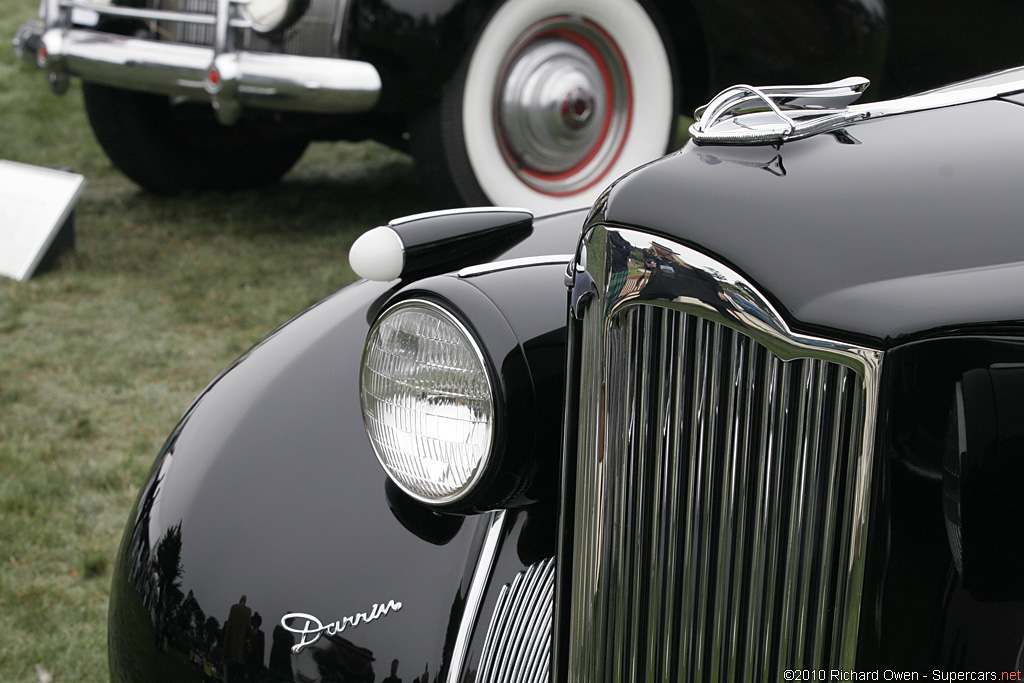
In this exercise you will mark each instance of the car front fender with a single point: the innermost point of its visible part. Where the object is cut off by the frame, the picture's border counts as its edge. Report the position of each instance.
(266, 519)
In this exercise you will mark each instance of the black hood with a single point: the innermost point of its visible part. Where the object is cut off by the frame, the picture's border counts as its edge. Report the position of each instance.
(891, 227)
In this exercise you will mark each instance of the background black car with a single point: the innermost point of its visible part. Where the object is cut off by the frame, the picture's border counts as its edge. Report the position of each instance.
(772, 432)
(534, 103)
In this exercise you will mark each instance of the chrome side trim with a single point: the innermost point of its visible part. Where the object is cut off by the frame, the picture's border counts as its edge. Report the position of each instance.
(475, 594)
(511, 264)
(442, 213)
(723, 468)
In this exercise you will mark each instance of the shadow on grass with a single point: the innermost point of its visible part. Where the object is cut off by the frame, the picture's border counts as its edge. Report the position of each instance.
(338, 188)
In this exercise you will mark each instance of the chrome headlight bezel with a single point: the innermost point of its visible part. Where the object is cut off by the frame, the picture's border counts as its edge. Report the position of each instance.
(469, 487)
(271, 16)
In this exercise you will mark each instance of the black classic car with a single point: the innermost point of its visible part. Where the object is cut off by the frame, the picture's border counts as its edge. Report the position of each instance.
(760, 419)
(535, 103)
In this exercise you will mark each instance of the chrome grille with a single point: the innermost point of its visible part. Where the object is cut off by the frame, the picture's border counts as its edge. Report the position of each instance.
(187, 32)
(518, 644)
(723, 467)
(315, 34)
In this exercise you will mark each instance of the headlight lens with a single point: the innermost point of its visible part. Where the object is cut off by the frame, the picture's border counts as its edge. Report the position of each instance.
(428, 401)
(270, 15)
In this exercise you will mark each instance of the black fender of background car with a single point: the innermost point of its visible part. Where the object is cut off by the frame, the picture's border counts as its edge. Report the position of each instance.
(902, 45)
(268, 489)
(418, 46)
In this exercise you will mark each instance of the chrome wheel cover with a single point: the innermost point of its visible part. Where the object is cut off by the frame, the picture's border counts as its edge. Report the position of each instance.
(563, 105)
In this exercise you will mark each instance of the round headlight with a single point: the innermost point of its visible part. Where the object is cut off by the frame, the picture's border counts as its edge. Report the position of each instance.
(428, 401)
(267, 16)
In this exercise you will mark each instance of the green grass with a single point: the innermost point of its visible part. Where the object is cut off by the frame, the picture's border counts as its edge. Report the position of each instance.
(99, 357)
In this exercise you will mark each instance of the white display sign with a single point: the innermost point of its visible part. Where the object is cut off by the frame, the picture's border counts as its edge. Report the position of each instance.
(34, 204)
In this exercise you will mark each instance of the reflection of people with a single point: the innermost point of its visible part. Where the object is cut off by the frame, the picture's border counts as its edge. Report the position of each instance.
(236, 632)
(393, 678)
(425, 678)
(281, 655)
(343, 661)
(618, 268)
(672, 277)
(257, 647)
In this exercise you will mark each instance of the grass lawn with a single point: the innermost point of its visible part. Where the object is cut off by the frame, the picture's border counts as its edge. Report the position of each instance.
(99, 357)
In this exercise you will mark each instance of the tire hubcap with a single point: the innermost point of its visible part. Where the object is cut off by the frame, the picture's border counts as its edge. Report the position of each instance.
(563, 106)
(577, 108)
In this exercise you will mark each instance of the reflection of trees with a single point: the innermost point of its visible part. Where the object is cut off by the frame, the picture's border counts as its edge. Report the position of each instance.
(182, 629)
(178, 621)
(168, 575)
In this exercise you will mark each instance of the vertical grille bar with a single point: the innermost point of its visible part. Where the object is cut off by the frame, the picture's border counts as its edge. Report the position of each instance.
(584, 648)
(722, 473)
(185, 31)
(313, 34)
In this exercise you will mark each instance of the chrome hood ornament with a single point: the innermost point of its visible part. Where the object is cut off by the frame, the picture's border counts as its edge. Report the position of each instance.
(745, 115)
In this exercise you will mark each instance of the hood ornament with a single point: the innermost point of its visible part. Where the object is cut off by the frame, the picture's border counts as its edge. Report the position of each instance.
(746, 115)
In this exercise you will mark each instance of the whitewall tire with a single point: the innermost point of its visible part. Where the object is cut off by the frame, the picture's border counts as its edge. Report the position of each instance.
(556, 99)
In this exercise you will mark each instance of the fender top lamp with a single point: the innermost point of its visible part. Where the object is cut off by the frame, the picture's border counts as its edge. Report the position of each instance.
(429, 402)
(983, 481)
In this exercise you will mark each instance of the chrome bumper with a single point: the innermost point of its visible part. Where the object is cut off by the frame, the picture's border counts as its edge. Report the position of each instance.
(230, 80)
